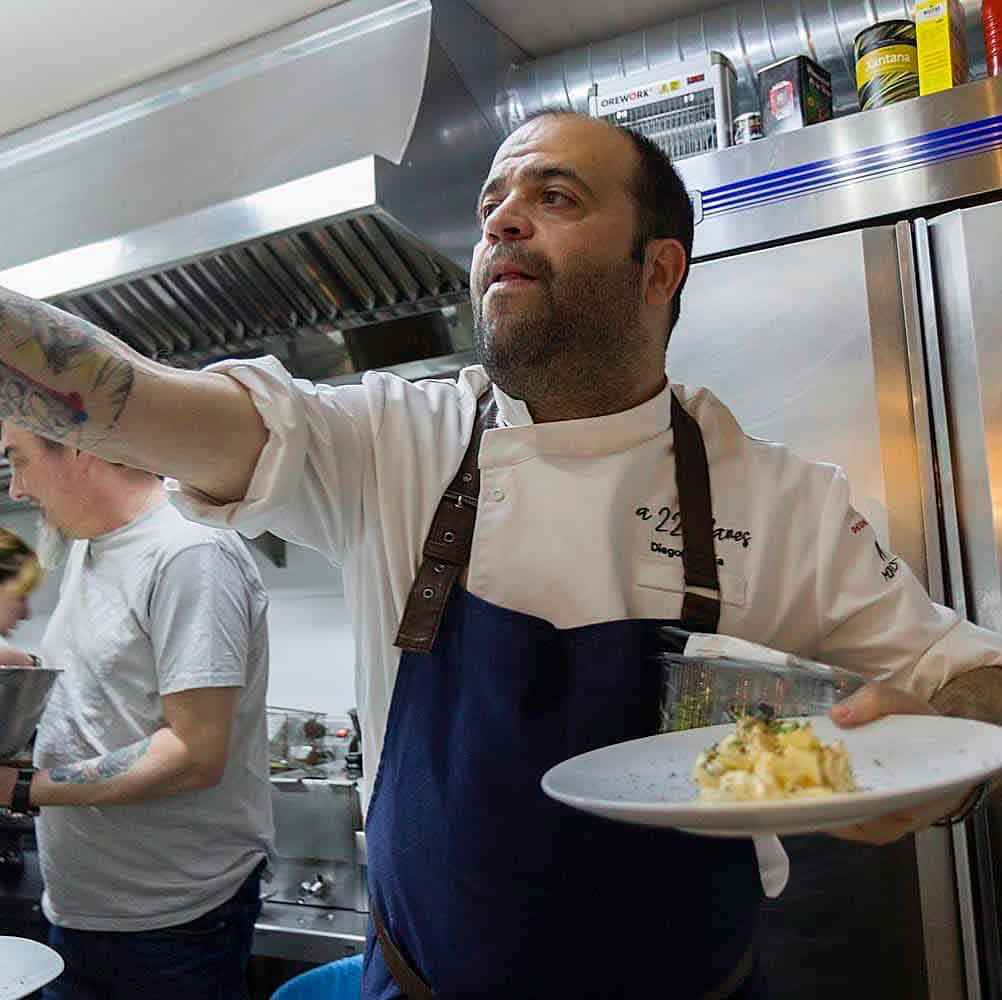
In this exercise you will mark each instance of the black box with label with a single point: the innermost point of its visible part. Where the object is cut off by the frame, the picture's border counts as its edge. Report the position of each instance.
(794, 93)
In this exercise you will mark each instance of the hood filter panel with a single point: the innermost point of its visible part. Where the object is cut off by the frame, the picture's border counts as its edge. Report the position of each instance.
(336, 276)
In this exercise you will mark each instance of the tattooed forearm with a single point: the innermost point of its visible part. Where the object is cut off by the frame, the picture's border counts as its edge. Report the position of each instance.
(60, 376)
(111, 765)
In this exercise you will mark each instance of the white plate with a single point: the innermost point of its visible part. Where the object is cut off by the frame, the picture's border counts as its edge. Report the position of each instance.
(26, 966)
(899, 761)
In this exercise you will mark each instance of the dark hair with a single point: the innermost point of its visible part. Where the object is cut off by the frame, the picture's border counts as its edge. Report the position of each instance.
(664, 210)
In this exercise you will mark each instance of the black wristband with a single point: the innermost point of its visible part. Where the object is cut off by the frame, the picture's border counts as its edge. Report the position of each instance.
(20, 801)
(974, 802)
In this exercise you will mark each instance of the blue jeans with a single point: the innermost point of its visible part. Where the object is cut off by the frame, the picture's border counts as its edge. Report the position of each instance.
(205, 959)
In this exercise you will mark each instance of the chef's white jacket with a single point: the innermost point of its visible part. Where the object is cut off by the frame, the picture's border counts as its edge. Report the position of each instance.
(578, 523)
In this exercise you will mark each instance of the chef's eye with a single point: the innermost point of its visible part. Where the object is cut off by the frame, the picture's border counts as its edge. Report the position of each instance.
(552, 197)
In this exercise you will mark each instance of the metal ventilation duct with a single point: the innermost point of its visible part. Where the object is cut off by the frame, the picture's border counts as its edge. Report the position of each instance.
(318, 179)
(751, 34)
(337, 276)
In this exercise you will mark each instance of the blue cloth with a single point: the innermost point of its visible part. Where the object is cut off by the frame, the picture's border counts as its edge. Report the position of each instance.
(202, 960)
(489, 888)
(341, 980)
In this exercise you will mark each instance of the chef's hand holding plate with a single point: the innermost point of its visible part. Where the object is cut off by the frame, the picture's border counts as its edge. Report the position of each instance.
(868, 704)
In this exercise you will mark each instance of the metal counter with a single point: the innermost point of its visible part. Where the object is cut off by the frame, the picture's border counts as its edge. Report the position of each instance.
(314, 907)
(307, 933)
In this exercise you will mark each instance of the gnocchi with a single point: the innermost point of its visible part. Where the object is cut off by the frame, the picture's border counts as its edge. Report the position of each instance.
(767, 759)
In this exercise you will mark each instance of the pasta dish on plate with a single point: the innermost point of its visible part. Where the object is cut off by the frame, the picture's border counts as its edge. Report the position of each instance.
(766, 758)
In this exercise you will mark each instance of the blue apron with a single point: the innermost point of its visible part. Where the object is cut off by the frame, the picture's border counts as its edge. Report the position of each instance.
(484, 886)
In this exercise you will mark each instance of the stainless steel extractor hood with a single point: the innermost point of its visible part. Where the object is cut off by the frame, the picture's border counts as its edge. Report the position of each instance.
(317, 179)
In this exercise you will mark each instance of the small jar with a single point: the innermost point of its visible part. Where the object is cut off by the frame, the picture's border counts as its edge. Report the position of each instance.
(747, 128)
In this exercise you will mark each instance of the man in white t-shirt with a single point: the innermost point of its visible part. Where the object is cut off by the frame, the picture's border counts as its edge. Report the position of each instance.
(509, 542)
(152, 767)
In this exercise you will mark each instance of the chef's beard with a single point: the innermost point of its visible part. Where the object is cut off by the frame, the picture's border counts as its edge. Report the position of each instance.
(51, 545)
(572, 335)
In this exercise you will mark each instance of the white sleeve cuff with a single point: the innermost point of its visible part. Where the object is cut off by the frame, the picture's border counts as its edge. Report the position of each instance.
(280, 468)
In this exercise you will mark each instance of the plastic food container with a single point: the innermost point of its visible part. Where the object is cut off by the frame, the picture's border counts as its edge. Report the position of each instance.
(697, 691)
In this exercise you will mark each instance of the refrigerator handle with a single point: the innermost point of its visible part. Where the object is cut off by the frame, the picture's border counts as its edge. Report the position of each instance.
(955, 595)
(921, 403)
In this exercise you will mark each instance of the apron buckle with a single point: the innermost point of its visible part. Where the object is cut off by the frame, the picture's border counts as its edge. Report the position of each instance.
(461, 499)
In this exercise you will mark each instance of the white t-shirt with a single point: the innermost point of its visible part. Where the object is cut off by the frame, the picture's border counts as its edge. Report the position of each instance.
(158, 606)
(577, 524)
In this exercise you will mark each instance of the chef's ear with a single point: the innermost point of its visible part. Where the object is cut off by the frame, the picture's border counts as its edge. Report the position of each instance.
(664, 267)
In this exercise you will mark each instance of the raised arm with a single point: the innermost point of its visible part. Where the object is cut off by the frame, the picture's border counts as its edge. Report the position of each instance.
(65, 379)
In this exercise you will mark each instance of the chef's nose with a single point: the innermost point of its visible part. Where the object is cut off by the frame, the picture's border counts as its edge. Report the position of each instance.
(508, 222)
(14, 489)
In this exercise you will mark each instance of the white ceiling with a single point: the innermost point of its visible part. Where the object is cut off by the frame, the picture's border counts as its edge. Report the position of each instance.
(59, 54)
(542, 27)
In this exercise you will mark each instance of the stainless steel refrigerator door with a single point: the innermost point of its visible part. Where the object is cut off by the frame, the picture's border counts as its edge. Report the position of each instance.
(806, 344)
(967, 302)
(818, 344)
(966, 247)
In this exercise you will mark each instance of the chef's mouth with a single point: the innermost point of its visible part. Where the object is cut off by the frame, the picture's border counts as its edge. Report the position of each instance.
(511, 279)
(513, 276)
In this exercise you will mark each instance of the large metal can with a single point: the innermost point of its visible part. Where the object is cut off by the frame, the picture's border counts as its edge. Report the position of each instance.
(886, 64)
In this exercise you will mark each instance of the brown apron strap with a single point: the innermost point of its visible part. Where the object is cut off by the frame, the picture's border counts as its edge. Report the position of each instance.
(414, 987)
(737, 978)
(700, 611)
(449, 543)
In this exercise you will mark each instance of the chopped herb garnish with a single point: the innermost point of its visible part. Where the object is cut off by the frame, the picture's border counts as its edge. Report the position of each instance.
(762, 712)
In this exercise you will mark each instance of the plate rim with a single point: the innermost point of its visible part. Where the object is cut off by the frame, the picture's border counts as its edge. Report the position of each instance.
(736, 810)
(39, 978)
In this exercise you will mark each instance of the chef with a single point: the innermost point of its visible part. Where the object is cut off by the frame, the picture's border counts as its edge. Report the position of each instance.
(510, 543)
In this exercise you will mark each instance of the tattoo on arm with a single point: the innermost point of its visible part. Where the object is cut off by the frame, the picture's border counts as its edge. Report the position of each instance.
(111, 765)
(60, 376)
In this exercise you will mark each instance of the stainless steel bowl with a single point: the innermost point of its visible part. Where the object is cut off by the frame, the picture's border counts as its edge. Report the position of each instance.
(698, 692)
(24, 693)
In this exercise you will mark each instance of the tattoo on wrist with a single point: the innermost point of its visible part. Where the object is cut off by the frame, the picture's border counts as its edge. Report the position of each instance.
(40, 344)
(111, 765)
